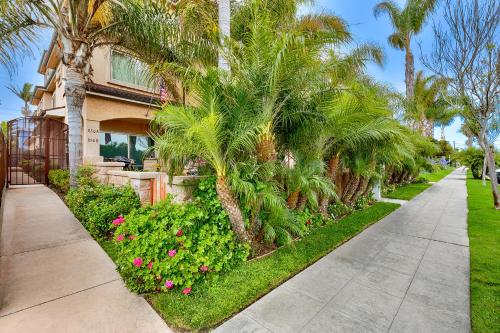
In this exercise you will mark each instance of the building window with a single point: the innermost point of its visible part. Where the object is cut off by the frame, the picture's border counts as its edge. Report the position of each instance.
(130, 71)
(135, 147)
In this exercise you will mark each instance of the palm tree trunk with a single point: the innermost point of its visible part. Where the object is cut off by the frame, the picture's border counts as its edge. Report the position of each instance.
(292, 199)
(442, 133)
(363, 184)
(232, 208)
(333, 166)
(302, 202)
(352, 189)
(224, 30)
(74, 90)
(409, 73)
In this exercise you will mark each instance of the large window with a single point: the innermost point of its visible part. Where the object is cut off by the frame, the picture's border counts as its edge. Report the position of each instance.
(130, 71)
(134, 147)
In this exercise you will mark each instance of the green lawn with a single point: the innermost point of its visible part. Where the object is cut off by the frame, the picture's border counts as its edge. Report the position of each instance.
(436, 176)
(409, 191)
(484, 236)
(224, 295)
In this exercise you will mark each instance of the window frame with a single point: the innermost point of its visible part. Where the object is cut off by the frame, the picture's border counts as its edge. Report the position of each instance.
(124, 83)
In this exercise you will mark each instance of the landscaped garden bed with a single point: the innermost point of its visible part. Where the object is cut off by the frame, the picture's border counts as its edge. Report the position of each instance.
(484, 240)
(185, 259)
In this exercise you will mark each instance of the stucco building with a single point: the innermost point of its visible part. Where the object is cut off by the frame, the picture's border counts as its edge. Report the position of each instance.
(119, 103)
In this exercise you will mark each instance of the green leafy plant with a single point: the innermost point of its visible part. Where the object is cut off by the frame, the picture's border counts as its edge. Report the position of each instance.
(59, 179)
(172, 246)
(339, 209)
(96, 205)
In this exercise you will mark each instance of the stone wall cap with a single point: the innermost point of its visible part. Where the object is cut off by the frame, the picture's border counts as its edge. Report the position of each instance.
(109, 164)
(135, 174)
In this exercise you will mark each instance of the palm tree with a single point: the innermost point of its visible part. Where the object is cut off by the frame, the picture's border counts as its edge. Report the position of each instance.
(407, 22)
(25, 93)
(445, 119)
(429, 103)
(80, 26)
(204, 132)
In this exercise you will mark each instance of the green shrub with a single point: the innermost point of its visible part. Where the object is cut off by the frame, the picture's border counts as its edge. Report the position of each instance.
(338, 209)
(59, 179)
(96, 205)
(179, 243)
(363, 202)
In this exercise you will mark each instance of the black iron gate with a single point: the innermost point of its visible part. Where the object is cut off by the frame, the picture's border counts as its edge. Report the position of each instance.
(35, 146)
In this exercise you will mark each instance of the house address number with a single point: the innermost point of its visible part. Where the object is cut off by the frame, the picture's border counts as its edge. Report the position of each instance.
(95, 135)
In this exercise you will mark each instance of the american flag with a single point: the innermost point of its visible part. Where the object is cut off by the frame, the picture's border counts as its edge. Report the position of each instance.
(163, 93)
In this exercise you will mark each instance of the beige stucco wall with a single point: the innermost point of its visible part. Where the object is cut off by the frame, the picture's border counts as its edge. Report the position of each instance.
(101, 74)
(102, 114)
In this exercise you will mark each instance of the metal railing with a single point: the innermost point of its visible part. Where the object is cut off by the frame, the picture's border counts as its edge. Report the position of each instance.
(3, 162)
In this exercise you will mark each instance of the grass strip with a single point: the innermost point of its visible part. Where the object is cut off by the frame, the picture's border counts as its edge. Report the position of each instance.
(436, 176)
(409, 191)
(484, 239)
(218, 298)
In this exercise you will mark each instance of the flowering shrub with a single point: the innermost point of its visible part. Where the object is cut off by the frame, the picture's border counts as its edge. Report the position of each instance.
(96, 205)
(169, 245)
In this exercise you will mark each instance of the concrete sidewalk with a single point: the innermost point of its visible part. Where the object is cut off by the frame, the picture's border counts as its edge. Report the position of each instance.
(55, 278)
(407, 273)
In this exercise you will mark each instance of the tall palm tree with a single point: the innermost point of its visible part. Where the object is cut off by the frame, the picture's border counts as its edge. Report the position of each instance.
(444, 119)
(25, 93)
(80, 26)
(428, 104)
(407, 22)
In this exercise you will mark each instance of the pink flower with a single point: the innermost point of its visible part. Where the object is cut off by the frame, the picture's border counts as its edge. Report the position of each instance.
(138, 262)
(132, 237)
(179, 233)
(119, 238)
(172, 253)
(119, 220)
(150, 265)
(186, 291)
(169, 284)
(204, 268)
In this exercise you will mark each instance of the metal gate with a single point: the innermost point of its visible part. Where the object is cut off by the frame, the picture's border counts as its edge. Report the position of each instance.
(35, 146)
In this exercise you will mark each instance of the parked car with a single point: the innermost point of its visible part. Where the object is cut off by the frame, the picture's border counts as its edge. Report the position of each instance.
(498, 175)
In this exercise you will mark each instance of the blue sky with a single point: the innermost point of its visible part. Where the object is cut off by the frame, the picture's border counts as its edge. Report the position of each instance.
(357, 13)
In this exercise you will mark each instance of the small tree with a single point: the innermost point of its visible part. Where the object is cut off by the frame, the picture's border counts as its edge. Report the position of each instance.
(25, 93)
(467, 53)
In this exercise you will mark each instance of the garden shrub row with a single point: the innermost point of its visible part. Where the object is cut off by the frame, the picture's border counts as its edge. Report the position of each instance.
(96, 205)
(59, 179)
(169, 245)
